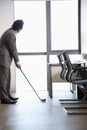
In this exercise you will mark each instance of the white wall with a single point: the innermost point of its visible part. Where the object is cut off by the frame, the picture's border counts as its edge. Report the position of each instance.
(84, 25)
(6, 14)
(6, 20)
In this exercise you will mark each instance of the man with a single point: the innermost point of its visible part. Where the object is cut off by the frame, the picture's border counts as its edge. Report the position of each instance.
(8, 52)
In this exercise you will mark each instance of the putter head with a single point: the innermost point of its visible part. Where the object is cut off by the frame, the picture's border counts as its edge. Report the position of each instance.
(43, 100)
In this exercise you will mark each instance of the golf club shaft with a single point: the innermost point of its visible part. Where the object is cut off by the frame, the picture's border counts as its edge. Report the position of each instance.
(31, 85)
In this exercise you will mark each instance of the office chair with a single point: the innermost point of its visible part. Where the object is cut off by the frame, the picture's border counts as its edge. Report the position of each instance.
(64, 70)
(79, 81)
(63, 66)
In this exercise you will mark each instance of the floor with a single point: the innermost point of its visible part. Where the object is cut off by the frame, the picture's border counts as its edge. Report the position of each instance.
(31, 114)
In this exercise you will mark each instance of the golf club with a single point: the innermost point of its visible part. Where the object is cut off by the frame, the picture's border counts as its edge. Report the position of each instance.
(42, 100)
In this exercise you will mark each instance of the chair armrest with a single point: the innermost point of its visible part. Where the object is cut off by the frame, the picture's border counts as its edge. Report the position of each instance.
(80, 68)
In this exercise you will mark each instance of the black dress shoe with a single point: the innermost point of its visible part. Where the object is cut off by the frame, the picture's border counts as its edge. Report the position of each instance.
(8, 101)
(12, 98)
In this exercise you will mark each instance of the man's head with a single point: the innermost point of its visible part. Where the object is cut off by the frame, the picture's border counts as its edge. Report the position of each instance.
(18, 25)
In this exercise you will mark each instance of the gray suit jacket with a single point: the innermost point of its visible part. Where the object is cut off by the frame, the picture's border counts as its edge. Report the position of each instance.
(8, 50)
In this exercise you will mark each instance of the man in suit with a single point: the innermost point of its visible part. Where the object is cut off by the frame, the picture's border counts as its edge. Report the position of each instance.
(8, 52)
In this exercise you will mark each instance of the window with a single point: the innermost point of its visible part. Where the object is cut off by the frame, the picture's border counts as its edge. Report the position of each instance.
(49, 27)
(64, 25)
(33, 36)
(32, 40)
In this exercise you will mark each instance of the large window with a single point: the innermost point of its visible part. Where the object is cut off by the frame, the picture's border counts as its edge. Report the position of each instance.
(31, 43)
(33, 36)
(64, 25)
(50, 26)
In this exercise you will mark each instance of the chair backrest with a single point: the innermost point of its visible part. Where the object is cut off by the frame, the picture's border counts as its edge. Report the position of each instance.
(63, 66)
(66, 65)
(69, 65)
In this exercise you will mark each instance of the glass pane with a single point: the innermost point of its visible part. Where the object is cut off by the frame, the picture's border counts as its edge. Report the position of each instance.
(33, 36)
(34, 68)
(64, 19)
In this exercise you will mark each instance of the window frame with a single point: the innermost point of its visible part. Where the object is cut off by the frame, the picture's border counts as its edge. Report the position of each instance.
(70, 51)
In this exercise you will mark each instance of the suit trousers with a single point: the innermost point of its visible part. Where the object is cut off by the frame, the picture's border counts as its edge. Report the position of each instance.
(5, 78)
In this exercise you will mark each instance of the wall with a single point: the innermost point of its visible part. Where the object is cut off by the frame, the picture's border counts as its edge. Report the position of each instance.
(84, 25)
(6, 20)
(6, 14)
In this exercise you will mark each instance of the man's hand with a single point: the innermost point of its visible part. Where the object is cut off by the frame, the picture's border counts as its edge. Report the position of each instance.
(18, 65)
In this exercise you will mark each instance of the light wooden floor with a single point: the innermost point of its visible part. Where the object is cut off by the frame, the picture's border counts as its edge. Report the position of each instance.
(32, 114)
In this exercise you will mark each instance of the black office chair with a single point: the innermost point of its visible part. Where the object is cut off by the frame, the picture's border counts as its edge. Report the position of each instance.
(79, 81)
(64, 70)
(63, 67)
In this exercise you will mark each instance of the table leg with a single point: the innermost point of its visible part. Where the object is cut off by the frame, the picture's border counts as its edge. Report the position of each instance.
(49, 81)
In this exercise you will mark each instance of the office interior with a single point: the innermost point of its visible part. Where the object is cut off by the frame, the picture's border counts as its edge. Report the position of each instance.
(29, 112)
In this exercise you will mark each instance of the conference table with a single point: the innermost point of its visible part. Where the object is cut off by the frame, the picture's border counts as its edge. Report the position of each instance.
(54, 70)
